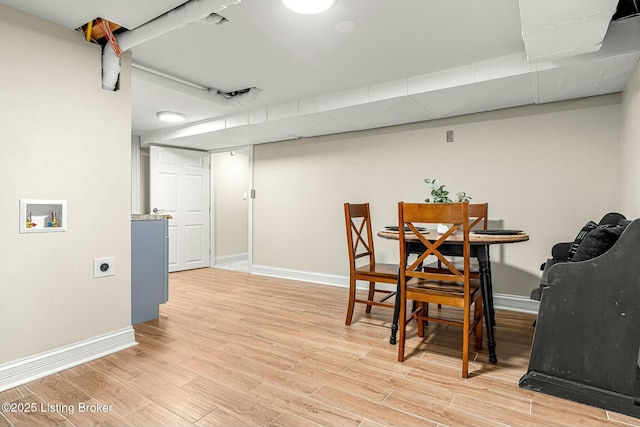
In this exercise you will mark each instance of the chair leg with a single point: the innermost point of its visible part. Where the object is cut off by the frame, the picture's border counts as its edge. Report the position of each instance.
(372, 293)
(352, 301)
(465, 342)
(424, 307)
(478, 315)
(402, 328)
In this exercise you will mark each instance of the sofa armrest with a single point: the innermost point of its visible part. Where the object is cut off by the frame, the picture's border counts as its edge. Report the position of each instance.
(536, 294)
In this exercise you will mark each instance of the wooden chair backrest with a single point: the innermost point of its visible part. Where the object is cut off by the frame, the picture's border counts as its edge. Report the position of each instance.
(456, 215)
(479, 214)
(359, 239)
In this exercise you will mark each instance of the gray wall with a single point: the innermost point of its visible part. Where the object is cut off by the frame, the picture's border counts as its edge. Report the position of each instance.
(546, 169)
(62, 137)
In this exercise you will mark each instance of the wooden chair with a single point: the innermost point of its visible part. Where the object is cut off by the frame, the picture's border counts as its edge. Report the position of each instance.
(479, 219)
(450, 286)
(360, 247)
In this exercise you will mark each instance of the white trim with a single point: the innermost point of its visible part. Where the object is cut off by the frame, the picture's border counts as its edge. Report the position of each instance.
(305, 276)
(231, 258)
(212, 213)
(31, 368)
(135, 175)
(500, 301)
(250, 207)
(515, 303)
(212, 253)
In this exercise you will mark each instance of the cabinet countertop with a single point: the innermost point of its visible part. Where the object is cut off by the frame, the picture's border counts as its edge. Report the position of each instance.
(149, 217)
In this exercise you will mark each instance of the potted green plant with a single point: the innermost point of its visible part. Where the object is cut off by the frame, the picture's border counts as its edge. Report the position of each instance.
(440, 195)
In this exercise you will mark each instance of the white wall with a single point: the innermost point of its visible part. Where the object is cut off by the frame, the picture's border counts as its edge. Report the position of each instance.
(631, 146)
(546, 169)
(62, 137)
(231, 183)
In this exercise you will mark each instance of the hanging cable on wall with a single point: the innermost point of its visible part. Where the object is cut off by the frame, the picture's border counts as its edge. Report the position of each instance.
(111, 39)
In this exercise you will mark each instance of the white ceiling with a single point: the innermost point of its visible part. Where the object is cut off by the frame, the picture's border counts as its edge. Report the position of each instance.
(407, 61)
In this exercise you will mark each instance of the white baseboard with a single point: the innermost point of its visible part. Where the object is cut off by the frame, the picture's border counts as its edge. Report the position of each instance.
(231, 258)
(305, 276)
(500, 301)
(515, 303)
(31, 368)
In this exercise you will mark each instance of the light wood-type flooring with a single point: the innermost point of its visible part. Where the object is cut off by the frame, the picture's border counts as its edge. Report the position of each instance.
(234, 349)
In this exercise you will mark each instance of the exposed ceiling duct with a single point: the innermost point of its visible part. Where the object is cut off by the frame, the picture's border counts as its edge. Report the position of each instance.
(553, 30)
(314, 96)
(192, 11)
(497, 83)
(239, 98)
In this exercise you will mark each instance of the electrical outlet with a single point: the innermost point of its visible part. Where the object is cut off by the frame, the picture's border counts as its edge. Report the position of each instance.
(103, 267)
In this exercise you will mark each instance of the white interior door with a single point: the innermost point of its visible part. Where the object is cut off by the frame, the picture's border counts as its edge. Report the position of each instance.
(179, 186)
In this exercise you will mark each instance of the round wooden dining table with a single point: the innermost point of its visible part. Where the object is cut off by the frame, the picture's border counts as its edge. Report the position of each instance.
(479, 242)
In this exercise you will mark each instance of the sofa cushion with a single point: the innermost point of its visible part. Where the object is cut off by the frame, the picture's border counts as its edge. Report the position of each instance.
(581, 235)
(612, 218)
(560, 251)
(598, 241)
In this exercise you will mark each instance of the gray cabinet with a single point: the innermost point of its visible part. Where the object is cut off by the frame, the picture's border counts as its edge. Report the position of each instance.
(149, 268)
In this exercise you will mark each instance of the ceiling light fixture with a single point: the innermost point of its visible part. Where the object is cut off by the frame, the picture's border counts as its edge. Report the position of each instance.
(170, 116)
(309, 7)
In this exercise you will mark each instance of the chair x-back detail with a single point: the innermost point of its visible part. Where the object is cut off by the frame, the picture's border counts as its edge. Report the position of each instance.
(478, 215)
(362, 262)
(450, 285)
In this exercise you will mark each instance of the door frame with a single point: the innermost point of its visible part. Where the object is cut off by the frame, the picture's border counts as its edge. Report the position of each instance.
(250, 196)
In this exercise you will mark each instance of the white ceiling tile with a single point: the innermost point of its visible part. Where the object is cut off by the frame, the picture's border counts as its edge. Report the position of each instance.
(306, 126)
(257, 115)
(483, 96)
(237, 119)
(602, 76)
(360, 116)
(343, 99)
(400, 111)
(440, 80)
(504, 66)
(570, 39)
(387, 90)
(537, 14)
(282, 111)
(308, 106)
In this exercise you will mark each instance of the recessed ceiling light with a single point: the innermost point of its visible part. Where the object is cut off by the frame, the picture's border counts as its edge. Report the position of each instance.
(170, 116)
(346, 27)
(309, 7)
